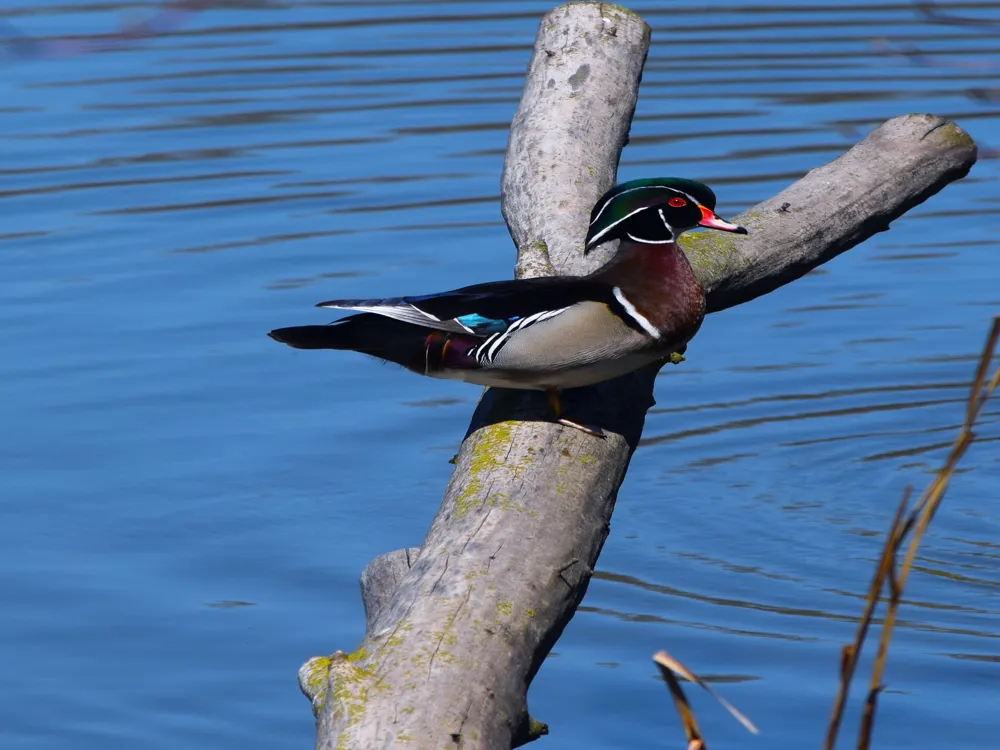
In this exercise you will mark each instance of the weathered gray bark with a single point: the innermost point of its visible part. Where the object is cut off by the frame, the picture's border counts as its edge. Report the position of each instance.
(456, 633)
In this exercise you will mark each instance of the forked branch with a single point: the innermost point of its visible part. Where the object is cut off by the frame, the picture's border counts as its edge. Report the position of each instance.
(456, 632)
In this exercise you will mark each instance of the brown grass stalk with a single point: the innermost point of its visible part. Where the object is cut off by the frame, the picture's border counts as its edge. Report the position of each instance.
(684, 710)
(851, 653)
(912, 523)
(670, 668)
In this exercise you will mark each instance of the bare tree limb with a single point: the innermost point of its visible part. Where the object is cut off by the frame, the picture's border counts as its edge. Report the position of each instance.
(457, 632)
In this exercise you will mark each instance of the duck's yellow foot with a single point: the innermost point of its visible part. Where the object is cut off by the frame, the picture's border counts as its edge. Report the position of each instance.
(556, 403)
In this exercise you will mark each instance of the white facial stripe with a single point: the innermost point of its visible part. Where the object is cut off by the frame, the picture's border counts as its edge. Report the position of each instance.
(596, 237)
(609, 201)
(647, 242)
(612, 199)
(637, 316)
(670, 229)
(595, 240)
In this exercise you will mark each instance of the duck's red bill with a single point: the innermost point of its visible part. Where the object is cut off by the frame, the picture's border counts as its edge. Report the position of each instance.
(710, 220)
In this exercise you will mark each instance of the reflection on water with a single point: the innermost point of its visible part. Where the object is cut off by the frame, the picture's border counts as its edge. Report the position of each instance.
(187, 507)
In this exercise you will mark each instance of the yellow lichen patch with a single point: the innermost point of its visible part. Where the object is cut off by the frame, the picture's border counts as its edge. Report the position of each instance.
(950, 134)
(433, 650)
(488, 453)
(313, 676)
(353, 683)
(529, 612)
(504, 608)
(357, 655)
(536, 728)
(713, 255)
(505, 503)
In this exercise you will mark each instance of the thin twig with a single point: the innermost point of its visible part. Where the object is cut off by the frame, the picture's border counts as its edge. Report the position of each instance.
(684, 709)
(851, 653)
(924, 512)
(913, 524)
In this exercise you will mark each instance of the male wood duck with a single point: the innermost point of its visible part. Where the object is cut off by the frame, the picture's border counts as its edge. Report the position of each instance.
(555, 332)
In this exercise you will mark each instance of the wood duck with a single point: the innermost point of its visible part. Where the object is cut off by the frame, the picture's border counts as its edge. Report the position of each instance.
(555, 332)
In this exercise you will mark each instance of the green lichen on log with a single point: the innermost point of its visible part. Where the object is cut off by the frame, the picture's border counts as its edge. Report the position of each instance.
(490, 448)
(952, 135)
(713, 255)
(314, 678)
(352, 683)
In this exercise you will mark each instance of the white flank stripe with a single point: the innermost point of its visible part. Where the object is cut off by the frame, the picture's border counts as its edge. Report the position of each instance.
(496, 345)
(480, 351)
(487, 351)
(637, 316)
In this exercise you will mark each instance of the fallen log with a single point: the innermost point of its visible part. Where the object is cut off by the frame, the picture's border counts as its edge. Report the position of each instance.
(456, 630)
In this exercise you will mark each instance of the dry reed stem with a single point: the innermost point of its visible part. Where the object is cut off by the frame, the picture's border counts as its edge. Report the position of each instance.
(684, 710)
(850, 653)
(913, 523)
(668, 667)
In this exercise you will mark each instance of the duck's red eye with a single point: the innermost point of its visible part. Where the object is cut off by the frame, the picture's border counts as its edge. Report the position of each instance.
(677, 202)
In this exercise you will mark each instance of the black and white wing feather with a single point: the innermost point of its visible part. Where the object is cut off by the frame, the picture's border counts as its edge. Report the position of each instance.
(489, 310)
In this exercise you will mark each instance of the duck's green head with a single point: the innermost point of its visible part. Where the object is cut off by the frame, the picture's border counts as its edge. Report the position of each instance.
(654, 211)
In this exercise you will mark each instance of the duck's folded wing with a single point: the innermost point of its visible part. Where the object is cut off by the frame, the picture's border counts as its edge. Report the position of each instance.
(485, 309)
(582, 334)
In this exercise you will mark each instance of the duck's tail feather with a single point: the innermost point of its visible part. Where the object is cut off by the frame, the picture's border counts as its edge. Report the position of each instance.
(309, 337)
(367, 333)
(417, 348)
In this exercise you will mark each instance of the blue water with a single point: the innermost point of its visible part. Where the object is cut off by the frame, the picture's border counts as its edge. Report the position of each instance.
(185, 506)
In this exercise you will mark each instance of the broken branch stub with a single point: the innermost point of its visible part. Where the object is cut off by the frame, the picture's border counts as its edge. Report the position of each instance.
(457, 631)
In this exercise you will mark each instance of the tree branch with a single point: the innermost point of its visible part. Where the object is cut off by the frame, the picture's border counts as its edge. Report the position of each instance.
(456, 633)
